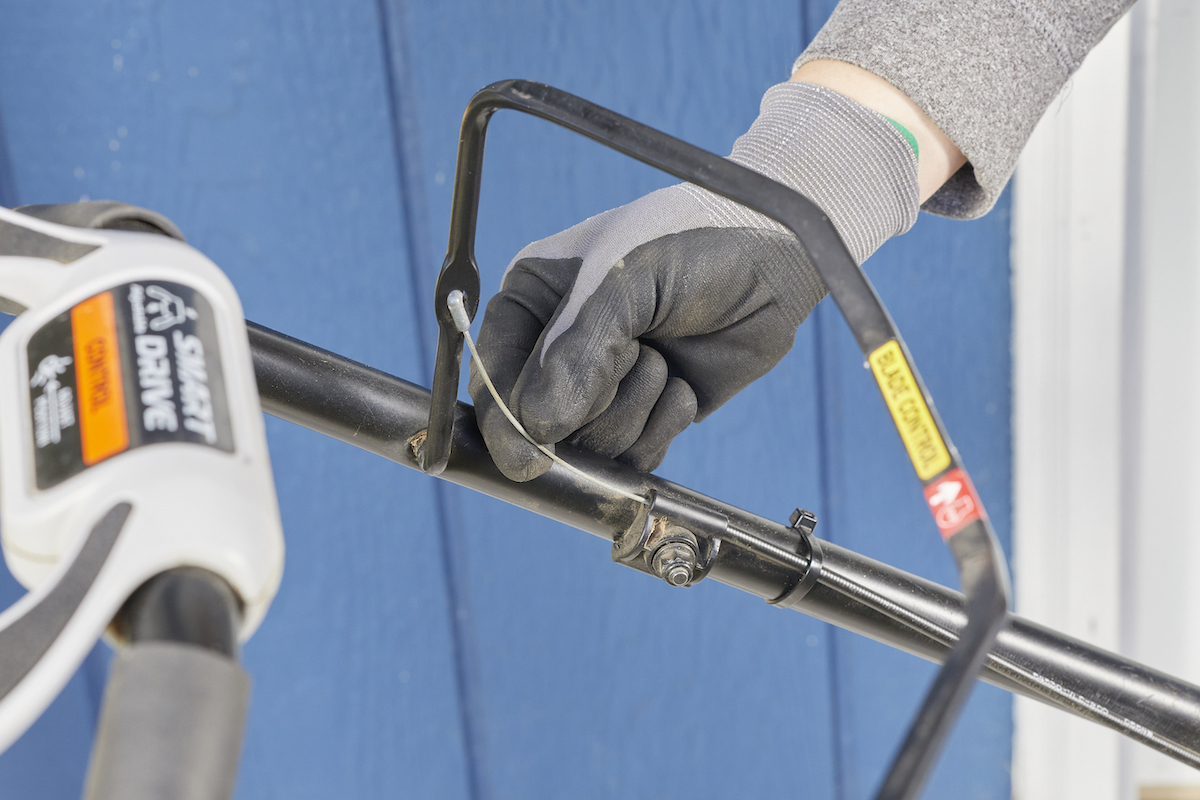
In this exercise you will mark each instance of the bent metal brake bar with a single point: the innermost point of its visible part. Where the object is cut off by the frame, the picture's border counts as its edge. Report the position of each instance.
(386, 416)
(947, 487)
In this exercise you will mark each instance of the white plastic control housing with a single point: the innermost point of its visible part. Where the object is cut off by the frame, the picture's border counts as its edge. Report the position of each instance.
(192, 505)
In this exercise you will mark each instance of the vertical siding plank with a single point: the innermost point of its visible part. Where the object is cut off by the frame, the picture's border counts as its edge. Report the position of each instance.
(597, 681)
(8, 186)
(947, 286)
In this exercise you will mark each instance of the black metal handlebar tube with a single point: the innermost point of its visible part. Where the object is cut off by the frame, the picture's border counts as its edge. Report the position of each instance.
(386, 416)
(960, 516)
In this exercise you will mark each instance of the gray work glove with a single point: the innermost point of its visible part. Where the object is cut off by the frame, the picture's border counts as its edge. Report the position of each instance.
(616, 334)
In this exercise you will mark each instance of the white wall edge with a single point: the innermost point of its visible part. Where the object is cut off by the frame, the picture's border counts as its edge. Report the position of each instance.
(1068, 272)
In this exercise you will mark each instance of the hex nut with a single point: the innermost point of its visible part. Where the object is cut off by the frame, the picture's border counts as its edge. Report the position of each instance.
(675, 563)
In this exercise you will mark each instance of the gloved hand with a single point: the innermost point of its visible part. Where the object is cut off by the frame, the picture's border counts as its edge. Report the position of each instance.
(616, 334)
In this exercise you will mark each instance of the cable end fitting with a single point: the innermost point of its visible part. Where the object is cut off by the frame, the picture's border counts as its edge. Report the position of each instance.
(456, 301)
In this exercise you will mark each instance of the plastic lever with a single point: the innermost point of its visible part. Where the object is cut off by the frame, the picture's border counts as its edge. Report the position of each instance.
(45, 636)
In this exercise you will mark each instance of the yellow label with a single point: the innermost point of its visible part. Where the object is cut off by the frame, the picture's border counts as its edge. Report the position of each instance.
(102, 426)
(921, 438)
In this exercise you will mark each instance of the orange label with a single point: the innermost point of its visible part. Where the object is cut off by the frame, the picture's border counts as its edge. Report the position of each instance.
(103, 428)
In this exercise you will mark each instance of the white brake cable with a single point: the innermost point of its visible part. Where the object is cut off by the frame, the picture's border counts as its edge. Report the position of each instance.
(458, 311)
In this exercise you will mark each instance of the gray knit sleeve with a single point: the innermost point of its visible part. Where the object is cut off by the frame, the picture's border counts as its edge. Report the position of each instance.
(983, 70)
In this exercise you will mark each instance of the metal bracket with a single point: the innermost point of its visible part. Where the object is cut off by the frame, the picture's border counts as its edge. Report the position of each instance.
(677, 542)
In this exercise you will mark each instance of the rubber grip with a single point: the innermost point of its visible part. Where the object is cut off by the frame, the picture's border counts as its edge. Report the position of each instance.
(171, 725)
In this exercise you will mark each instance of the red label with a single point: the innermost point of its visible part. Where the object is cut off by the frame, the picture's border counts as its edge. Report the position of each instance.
(953, 502)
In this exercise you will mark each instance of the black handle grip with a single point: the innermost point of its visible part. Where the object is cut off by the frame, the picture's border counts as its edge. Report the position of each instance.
(175, 706)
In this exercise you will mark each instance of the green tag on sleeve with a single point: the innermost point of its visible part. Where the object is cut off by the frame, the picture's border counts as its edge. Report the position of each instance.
(908, 137)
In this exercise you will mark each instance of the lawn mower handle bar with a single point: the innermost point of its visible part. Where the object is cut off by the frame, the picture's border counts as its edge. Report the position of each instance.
(386, 415)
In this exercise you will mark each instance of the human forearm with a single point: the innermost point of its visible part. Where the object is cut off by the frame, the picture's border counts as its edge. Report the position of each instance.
(983, 71)
(939, 156)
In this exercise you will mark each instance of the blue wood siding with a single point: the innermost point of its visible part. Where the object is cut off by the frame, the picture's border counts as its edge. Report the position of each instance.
(428, 642)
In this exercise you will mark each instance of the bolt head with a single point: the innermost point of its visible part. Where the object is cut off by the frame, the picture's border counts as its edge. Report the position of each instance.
(679, 575)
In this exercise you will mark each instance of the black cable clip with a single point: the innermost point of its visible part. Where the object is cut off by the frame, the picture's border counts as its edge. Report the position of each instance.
(805, 522)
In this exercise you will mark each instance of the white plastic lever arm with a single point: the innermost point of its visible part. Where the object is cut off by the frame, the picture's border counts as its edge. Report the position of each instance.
(30, 279)
(46, 635)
